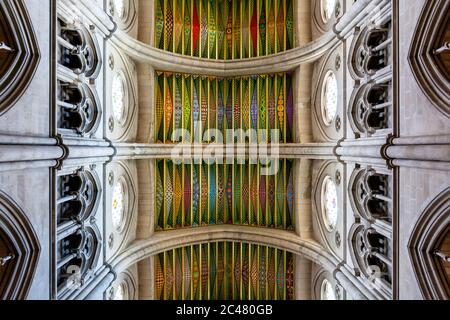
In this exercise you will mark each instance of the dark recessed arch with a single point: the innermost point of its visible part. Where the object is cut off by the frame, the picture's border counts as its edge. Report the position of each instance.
(18, 241)
(19, 54)
(426, 239)
(430, 35)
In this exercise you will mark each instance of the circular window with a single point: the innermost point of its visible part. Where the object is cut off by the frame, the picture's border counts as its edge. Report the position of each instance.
(329, 98)
(119, 7)
(121, 292)
(329, 203)
(118, 98)
(327, 9)
(326, 291)
(118, 205)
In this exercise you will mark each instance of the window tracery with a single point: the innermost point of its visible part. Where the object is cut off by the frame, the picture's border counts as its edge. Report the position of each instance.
(370, 107)
(78, 244)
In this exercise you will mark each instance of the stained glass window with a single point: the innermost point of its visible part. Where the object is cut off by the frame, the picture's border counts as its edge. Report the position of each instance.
(224, 271)
(218, 29)
(326, 291)
(329, 98)
(118, 98)
(330, 203)
(118, 205)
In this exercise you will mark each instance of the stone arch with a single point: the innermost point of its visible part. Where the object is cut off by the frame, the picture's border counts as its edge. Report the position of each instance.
(126, 20)
(331, 238)
(369, 192)
(125, 172)
(21, 247)
(126, 279)
(369, 51)
(429, 42)
(19, 52)
(369, 109)
(320, 22)
(126, 69)
(428, 234)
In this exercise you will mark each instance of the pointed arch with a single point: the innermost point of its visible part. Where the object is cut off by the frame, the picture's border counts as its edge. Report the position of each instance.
(19, 240)
(426, 239)
(20, 51)
(430, 35)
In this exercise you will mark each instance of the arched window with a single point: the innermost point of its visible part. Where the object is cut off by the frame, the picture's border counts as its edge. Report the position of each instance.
(329, 98)
(118, 205)
(326, 291)
(329, 203)
(327, 8)
(119, 98)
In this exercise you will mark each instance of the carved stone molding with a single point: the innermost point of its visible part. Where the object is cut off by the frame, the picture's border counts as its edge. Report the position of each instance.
(79, 238)
(129, 284)
(427, 236)
(19, 52)
(329, 234)
(369, 109)
(20, 240)
(368, 54)
(329, 66)
(124, 69)
(80, 50)
(320, 21)
(81, 110)
(429, 36)
(85, 187)
(127, 17)
(371, 254)
(369, 194)
(320, 276)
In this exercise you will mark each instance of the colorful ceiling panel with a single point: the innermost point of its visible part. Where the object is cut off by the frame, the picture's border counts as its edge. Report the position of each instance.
(192, 195)
(224, 29)
(224, 271)
(193, 108)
